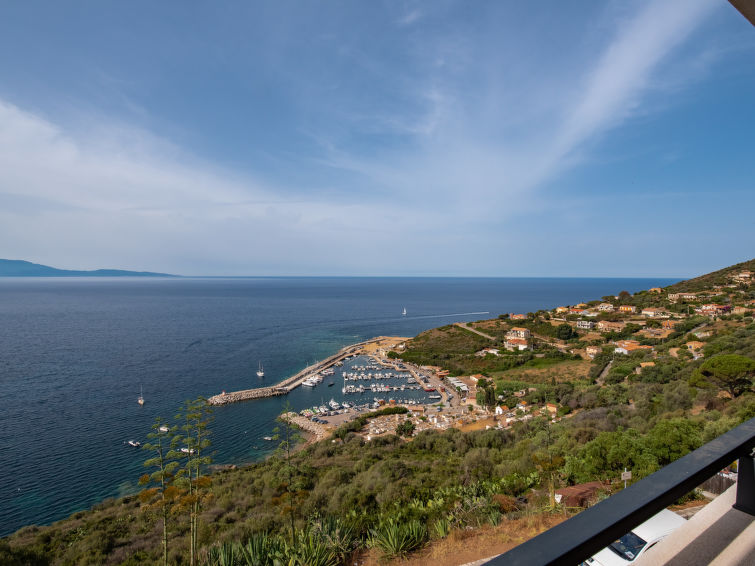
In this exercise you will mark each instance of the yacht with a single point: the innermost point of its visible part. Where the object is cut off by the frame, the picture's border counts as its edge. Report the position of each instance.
(140, 400)
(134, 443)
(261, 371)
(404, 312)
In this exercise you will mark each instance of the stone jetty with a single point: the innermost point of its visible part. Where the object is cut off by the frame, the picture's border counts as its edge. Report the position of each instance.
(318, 430)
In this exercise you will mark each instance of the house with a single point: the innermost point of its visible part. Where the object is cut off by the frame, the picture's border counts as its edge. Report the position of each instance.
(513, 316)
(585, 324)
(593, 351)
(694, 345)
(561, 310)
(627, 308)
(739, 310)
(605, 307)
(713, 309)
(607, 326)
(485, 351)
(581, 306)
(669, 324)
(627, 347)
(742, 276)
(656, 290)
(501, 410)
(516, 344)
(523, 406)
(654, 312)
(577, 310)
(518, 332)
(673, 297)
(551, 408)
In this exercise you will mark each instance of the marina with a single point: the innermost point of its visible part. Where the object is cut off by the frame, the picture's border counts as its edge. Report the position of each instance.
(310, 377)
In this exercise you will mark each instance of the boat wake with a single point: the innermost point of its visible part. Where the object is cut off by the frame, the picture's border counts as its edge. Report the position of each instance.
(447, 315)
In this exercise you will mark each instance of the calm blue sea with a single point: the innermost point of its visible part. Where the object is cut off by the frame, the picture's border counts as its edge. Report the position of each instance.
(74, 353)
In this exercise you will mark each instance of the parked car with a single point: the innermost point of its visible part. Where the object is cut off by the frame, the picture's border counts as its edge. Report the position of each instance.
(638, 541)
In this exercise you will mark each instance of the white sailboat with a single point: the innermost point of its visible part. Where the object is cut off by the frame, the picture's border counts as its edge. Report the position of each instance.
(140, 400)
(260, 371)
(404, 313)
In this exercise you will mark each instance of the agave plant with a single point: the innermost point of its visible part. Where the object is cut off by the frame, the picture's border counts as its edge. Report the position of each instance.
(226, 554)
(340, 535)
(441, 527)
(263, 550)
(398, 539)
(311, 550)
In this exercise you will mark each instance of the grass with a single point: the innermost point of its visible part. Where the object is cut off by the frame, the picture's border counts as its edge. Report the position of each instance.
(465, 545)
(543, 370)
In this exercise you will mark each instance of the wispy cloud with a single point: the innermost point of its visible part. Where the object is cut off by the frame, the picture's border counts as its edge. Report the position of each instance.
(410, 17)
(419, 162)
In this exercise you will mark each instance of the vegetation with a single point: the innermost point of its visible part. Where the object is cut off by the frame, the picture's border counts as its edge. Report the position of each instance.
(337, 499)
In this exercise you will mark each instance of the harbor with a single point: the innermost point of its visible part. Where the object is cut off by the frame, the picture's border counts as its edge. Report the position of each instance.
(371, 347)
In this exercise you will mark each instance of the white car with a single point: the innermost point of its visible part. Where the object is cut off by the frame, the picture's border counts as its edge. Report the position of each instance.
(636, 542)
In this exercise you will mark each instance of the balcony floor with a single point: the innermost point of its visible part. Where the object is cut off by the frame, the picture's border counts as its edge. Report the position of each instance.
(717, 535)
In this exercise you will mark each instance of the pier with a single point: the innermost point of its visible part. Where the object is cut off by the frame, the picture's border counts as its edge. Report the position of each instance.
(291, 383)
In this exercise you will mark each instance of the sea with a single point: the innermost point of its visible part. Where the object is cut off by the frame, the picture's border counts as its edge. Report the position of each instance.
(75, 353)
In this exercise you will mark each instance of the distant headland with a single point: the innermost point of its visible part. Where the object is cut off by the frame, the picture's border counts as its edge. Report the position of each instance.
(20, 268)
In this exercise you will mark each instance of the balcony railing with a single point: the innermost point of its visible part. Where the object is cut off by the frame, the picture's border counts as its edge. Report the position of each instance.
(578, 538)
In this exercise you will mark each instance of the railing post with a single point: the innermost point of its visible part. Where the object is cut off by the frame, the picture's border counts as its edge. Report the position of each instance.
(745, 485)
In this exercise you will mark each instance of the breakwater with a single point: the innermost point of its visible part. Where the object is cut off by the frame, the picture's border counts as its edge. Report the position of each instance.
(291, 383)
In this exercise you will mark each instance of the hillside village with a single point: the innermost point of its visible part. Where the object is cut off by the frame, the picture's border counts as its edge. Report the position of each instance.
(522, 365)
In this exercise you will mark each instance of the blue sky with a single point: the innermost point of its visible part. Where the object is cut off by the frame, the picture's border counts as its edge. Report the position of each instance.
(378, 138)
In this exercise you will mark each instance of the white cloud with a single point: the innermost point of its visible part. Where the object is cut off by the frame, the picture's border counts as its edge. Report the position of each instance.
(118, 196)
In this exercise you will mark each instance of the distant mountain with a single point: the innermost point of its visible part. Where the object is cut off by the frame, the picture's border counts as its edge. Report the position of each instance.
(20, 268)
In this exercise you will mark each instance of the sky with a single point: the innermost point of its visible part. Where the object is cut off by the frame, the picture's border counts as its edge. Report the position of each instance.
(439, 138)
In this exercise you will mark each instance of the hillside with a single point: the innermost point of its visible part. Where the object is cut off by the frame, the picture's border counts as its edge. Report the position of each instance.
(720, 277)
(20, 268)
(552, 413)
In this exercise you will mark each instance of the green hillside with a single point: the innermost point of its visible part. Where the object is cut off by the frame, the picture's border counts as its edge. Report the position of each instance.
(707, 281)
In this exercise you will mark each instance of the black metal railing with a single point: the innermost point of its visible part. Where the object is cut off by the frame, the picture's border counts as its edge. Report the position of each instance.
(578, 538)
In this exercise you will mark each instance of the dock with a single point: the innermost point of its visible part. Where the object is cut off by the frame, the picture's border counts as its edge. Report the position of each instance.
(291, 383)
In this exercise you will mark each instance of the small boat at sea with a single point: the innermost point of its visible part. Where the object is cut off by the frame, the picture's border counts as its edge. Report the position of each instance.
(268, 438)
(188, 450)
(140, 400)
(261, 371)
(134, 443)
(331, 384)
(404, 312)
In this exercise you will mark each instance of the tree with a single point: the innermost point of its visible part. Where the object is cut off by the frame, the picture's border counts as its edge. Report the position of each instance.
(285, 451)
(564, 331)
(732, 372)
(195, 417)
(485, 393)
(164, 494)
(406, 428)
